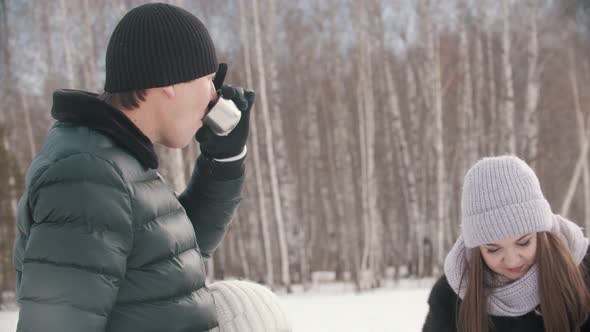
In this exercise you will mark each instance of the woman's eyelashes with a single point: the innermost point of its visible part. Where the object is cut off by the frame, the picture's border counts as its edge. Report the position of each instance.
(524, 244)
(492, 250)
(496, 249)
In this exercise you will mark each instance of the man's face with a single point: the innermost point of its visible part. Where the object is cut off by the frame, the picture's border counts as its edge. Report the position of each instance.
(182, 115)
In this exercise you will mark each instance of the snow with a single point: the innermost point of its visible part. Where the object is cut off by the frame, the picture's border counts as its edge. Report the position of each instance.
(336, 307)
(399, 308)
(8, 321)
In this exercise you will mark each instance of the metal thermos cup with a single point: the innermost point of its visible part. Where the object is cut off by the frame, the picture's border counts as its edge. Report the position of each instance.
(223, 117)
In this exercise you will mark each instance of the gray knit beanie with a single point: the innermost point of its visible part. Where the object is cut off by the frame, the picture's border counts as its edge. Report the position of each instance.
(502, 198)
(244, 306)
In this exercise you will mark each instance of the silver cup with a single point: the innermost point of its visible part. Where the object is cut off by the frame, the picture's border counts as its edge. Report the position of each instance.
(222, 117)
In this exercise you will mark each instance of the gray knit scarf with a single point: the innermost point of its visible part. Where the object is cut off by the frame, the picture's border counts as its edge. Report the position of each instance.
(512, 299)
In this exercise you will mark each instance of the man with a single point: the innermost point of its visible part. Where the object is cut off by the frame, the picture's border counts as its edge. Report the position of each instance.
(103, 244)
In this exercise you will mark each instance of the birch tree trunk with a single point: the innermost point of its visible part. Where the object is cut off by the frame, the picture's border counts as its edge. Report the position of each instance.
(275, 189)
(364, 176)
(466, 117)
(586, 171)
(494, 132)
(582, 160)
(254, 152)
(529, 142)
(286, 186)
(45, 21)
(573, 76)
(433, 56)
(508, 129)
(309, 233)
(375, 220)
(361, 122)
(90, 72)
(4, 233)
(582, 128)
(70, 76)
(371, 259)
(584, 138)
(28, 125)
(479, 72)
(411, 197)
(418, 145)
(342, 137)
(9, 103)
(13, 97)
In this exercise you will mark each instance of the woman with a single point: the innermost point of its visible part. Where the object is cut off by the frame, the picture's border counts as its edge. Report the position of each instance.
(516, 266)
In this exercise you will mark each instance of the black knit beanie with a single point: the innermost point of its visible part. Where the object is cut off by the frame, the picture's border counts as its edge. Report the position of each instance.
(157, 45)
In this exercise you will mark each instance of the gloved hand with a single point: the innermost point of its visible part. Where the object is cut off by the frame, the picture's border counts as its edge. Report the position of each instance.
(221, 147)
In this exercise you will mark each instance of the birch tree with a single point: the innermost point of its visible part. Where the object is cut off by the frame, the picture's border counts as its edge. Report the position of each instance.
(479, 72)
(90, 71)
(416, 222)
(434, 84)
(494, 133)
(366, 109)
(254, 152)
(466, 117)
(342, 138)
(264, 109)
(508, 139)
(582, 167)
(529, 141)
(70, 75)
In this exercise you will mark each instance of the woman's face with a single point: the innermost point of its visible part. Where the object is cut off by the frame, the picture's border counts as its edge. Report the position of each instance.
(512, 257)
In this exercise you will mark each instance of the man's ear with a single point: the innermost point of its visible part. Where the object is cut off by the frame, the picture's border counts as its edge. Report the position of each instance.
(169, 91)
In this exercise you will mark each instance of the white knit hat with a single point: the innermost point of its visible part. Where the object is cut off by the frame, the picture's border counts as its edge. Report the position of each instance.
(244, 306)
(502, 198)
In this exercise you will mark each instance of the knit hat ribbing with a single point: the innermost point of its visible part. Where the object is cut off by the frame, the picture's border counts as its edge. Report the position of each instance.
(502, 198)
(157, 45)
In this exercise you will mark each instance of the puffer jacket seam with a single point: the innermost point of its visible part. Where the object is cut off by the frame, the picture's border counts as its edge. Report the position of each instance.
(71, 265)
(27, 299)
(69, 181)
(61, 223)
(164, 299)
(142, 226)
(161, 259)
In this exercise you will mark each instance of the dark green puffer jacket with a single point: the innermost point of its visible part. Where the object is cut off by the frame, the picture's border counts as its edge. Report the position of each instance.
(103, 244)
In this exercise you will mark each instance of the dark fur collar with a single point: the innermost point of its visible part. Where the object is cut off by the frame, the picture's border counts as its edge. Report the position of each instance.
(85, 109)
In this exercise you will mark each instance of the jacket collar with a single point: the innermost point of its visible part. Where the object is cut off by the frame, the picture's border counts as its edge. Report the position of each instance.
(85, 109)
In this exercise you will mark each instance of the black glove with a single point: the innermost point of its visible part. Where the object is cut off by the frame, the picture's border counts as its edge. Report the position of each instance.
(220, 147)
(220, 76)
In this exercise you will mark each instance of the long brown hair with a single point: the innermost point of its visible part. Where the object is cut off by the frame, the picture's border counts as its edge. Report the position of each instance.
(564, 296)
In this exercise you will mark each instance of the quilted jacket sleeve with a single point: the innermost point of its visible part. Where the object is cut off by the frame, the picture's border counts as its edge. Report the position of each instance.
(211, 199)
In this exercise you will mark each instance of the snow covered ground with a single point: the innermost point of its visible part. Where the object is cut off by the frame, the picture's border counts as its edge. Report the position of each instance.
(8, 321)
(395, 308)
(335, 307)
